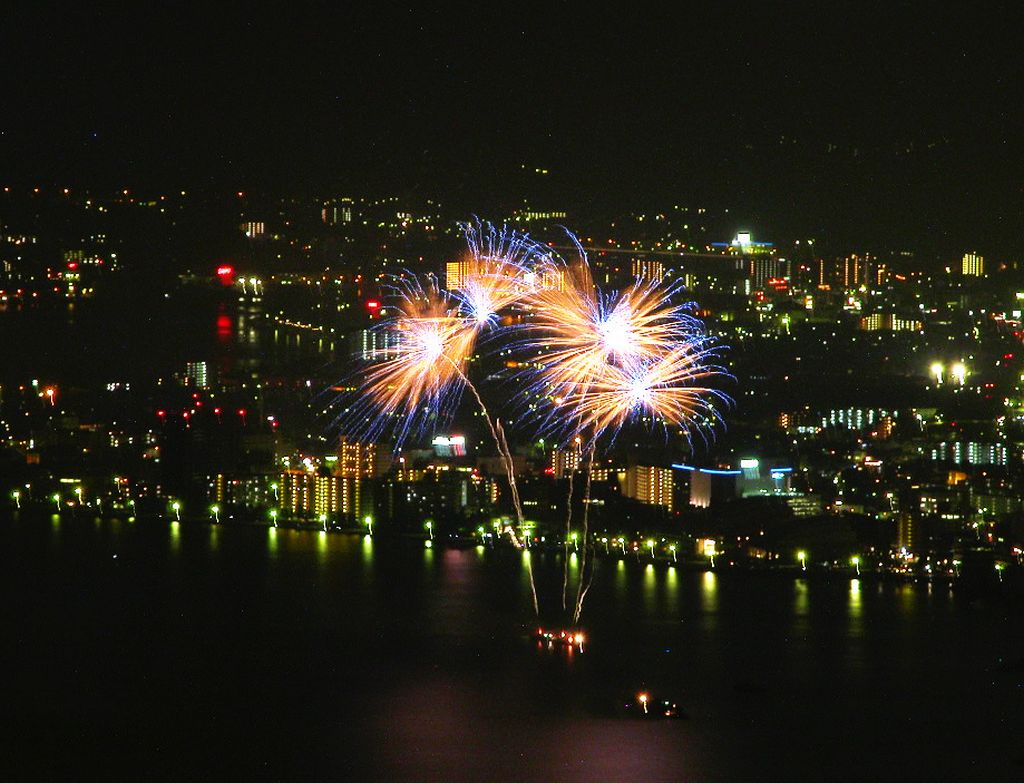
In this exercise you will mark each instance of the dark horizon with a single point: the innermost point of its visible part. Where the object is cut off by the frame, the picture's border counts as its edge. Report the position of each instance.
(897, 128)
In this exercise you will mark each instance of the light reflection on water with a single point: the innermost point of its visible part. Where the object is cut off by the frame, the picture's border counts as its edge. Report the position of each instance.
(427, 648)
(272, 541)
(650, 587)
(854, 605)
(709, 592)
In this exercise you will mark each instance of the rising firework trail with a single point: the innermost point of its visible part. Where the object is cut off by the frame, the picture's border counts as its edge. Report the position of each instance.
(432, 335)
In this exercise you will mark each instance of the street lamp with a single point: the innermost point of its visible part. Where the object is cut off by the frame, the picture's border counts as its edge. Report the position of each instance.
(430, 529)
(650, 545)
(802, 557)
(575, 546)
(323, 521)
(672, 549)
(56, 500)
(215, 510)
(176, 508)
(856, 563)
(273, 516)
(273, 487)
(937, 369)
(17, 498)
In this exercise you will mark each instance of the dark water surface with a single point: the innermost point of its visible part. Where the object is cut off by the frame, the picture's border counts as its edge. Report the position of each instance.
(137, 650)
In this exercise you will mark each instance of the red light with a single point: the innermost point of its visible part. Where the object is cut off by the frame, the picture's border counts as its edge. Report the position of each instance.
(72, 265)
(225, 271)
(241, 411)
(161, 414)
(217, 411)
(373, 304)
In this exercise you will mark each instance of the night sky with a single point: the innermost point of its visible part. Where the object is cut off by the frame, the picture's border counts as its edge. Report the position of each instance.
(865, 125)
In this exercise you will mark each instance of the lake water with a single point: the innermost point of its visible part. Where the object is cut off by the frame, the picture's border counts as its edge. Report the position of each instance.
(144, 650)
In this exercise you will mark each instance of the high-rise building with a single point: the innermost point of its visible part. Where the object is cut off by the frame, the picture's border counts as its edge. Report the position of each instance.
(357, 460)
(309, 492)
(906, 531)
(648, 269)
(564, 462)
(195, 375)
(649, 484)
(456, 273)
(858, 270)
(973, 265)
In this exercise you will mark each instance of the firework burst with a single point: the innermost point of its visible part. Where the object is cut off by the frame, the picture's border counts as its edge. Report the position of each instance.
(598, 360)
(669, 388)
(422, 377)
(498, 271)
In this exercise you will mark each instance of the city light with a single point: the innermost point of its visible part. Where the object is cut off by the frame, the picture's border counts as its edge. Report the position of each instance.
(176, 508)
(215, 510)
(802, 557)
(16, 496)
(958, 372)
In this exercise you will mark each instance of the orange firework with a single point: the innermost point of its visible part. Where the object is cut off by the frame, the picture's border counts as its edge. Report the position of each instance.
(498, 271)
(424, 372)
(583, 340)
(670, 389)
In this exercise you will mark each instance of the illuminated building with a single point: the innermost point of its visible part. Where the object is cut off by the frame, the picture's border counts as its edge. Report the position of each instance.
(889, 322)
(195, 375)
(307, 493)
(337, 211)
(376, 345)
(856, 270)
(565, 462)
(648, 269)
(751, 479)
(449, 446)
(972, 265)
(253, 229)
(907, 531)
(527, 215)
(649, 484)
(456, 273)
(357, 460)
(759, 269)
(970, 453)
